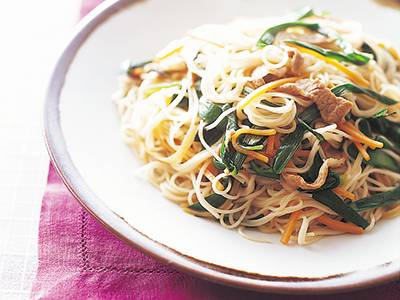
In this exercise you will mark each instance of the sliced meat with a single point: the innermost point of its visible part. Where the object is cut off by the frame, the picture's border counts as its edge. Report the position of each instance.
(311, 38)
(296, 181)
(294, 68)
(332, 108)
(331, 152)
(297, 61)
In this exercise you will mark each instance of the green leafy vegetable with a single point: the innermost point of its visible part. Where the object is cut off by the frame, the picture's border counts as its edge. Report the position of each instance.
(383, 113)
(233, 160)
(367, 49)
(378, 159)
(219, 164)
(213, 199)
(365, 127)
(267, 38)
(353, 57)
(263, 170)
(288, 147)
(352, 88)
(382, 160)
(209, 112)
(377, 200)
(292, 141)
(310, 129)
(334, 202)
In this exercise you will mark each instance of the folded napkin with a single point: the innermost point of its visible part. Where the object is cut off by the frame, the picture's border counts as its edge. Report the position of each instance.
(79, 259)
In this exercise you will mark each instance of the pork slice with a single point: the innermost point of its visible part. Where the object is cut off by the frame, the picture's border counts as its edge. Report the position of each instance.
(294, 68)
(332, 108)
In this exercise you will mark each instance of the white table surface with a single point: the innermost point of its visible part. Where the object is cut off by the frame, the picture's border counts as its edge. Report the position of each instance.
(32, 34)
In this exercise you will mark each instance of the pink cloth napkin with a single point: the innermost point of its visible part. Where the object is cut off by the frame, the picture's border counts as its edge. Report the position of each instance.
(79, 259)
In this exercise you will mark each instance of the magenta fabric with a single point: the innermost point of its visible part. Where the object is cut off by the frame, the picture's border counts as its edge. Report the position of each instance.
(79, 259)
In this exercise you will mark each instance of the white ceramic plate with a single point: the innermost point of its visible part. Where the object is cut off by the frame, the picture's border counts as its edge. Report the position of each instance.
(82, 131)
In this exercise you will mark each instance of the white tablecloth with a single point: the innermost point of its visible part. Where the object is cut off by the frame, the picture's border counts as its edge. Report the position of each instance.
(32, 35)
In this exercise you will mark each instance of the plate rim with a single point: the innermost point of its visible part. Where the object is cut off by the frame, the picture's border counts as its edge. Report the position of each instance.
(62, 162)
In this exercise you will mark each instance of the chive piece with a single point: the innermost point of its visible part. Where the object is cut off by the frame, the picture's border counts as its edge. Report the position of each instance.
(377, 200)
(209, 116)
(263, 170)
(253, 148)
(353, 57)
(378, 158)
(219, 164)
(365, 127)
(334, 202)
(319, 136)
(367, 49)
(349, 87)
(268, 37)
(292, 141)
(289, 145)
(382, 160)
(209, 111)
(383, 113)
(157, 87)
(213, 199)
(306, 13)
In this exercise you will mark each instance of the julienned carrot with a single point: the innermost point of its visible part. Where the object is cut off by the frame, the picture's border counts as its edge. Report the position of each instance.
(358, 136)
(287, 233)
(363, 152)
(256, 155)
(277, 143)
(270, 145)
(340, 226)
(212, 169)
(343, 193)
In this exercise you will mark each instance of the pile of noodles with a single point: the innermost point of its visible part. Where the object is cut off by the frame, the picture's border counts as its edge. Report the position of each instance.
(225, 59)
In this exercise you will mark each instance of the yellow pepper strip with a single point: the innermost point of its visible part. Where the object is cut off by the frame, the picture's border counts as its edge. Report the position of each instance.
(168, 54)
(356, 77)
(258, 92)
(392, 51)
(254, 154)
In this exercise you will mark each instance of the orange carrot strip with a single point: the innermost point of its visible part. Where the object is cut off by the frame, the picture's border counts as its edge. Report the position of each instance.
(287, 233)
(358, 136)
(340, 226)
(363, 152)
(343, 193)
(270, 145)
